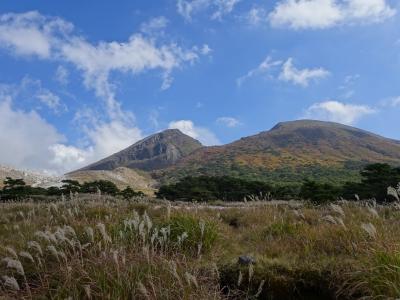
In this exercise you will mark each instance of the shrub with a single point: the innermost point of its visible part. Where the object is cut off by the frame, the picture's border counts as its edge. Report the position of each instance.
(281, 229)
(319, 192)
(205, 188)
(195, 235)
(128, 193)
(381, 277)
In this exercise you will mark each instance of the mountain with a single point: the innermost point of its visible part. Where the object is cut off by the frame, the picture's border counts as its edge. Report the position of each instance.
(155, 152)
(121, 177)
(30, 177)
(289, 152)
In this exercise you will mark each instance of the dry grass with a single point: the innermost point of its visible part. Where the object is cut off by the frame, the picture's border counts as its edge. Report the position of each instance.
(109, 249)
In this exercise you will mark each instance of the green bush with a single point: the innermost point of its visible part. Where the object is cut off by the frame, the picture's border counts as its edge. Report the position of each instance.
(319, 192)
(201, 235)
(17, 189)
(281, 229)
(206, 188)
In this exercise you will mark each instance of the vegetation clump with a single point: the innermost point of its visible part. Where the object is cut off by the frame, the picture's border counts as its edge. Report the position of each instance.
(17, 189)
(375, 180)
(161, 250)
(206, 188)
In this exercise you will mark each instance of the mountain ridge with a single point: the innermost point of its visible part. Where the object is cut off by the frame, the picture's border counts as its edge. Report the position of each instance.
(153, 152)
(288, 152)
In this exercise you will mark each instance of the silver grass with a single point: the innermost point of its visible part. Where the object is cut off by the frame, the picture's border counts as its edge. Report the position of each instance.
(370, 229)
(337, 209)
(26, 255)
(329, 219)
(87, 290)
(260, 288)
(10, 282)
(143, 290)
(11, 251)
(251, 272)
(191, 279)
(391, 191)
(14, 265)
(90, 233)
(103, 232)
(36, 246)
(240, 278)
(373, 212)
(53, 251)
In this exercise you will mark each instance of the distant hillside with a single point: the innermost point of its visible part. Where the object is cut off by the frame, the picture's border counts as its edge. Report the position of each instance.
(121, 176)
(155, 152)
(31, 178)
(289, 152)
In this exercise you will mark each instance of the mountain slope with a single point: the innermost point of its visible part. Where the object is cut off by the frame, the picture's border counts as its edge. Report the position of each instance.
(31, 178)
(121, 177)
(155, 152)
(289, 152)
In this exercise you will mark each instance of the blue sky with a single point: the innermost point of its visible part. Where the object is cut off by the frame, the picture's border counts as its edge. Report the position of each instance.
(82, 80)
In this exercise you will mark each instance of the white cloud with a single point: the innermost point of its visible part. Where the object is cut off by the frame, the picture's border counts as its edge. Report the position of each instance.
(62, 75)
(32, 34)
(104, 139)
(224, 7)
(204, 135)
(256, 16)
(396, 102)
(347, 87)
(370, 11)
(338, 112)
(68, 158)
(262, 68)
(205, 50)
(320, 14)
(49, 99)
(288, 72)
(154, 25)
(32, 90)
(96, 61)
(391, 102)
(229, 122)
(301, 77)
(33, 143)
(112, 137)
(300, 14)
(137, 55)
(27, 138)
(187, 8)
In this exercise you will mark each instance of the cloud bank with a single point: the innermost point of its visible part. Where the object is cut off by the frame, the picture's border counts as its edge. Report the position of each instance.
(321, 14)
(34, 35)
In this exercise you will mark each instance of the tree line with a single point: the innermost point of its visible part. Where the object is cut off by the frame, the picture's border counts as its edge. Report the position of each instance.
(374, 184)
(17, 189)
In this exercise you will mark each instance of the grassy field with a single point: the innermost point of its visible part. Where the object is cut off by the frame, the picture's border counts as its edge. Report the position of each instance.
(102, 248)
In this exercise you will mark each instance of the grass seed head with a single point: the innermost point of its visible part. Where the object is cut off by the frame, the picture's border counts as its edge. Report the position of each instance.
(10, 282)
(14, 265)
(370, 229)
(26, 255)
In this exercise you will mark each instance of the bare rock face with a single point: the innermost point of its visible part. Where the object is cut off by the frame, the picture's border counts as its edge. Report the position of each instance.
(155, 152)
